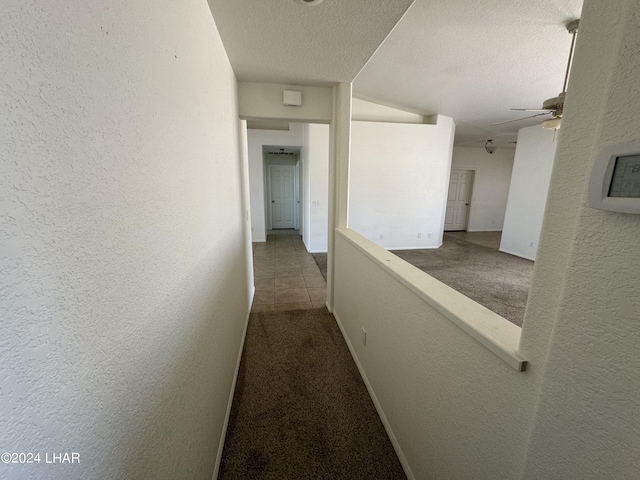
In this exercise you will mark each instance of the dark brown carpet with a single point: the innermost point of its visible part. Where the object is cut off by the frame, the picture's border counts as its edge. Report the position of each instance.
(497, 280)
(300, 408)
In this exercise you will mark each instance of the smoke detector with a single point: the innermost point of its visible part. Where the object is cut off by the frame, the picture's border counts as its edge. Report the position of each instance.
(308, 2)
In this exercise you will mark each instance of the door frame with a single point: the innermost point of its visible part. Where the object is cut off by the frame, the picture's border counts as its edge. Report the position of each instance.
(296, 194)
(470, 197)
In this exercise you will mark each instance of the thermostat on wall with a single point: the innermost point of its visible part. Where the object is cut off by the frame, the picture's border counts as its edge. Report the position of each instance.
(615, 179)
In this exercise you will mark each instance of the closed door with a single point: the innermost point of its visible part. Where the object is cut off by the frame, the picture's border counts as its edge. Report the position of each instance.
(458, 200)
(282, 196)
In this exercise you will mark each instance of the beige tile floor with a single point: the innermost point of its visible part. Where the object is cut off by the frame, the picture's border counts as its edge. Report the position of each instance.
(286, 275)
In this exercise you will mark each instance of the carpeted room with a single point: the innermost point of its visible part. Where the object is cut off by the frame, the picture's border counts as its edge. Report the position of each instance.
(472, 265)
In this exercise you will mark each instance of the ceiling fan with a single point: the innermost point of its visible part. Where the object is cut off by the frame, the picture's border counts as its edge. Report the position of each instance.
(552, 106)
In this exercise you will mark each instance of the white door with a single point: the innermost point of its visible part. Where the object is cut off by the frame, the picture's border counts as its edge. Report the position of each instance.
(282, 192)
(458, 200)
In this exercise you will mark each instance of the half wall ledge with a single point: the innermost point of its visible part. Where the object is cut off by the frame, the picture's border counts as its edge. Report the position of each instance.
(494, 332)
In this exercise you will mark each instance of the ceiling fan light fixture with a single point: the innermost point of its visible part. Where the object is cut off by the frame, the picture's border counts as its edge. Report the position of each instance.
(490, 147)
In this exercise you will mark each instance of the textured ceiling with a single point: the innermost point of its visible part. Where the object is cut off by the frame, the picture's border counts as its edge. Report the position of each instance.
(472, 60)
(282, 41)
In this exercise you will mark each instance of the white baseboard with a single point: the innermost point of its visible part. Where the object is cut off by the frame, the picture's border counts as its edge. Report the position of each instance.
(434, 247)
(223, 436)
(486, 230)
(326, 304)
(383, 418)
(533, 259)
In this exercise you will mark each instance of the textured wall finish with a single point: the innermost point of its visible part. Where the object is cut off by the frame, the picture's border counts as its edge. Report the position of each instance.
(123, 272)
(586, 289)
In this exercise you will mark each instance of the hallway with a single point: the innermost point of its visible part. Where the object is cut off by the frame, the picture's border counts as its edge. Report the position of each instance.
(286, 275)
(301, 409)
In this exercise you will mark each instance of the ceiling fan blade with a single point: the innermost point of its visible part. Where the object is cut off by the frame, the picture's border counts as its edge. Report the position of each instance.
(532, 109)
(523, 118)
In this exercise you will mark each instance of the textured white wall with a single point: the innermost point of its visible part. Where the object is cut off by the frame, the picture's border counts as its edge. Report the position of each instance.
(492, 175)
(532, 166)
(122, 252)
(455, 409)
(257, 174)
(316, 172)
(583, 316)
(399, 177)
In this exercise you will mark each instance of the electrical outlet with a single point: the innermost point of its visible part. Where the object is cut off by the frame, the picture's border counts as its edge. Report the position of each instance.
(381, 237)
(364, 337)
(420, 235)
(531, 244)
(429, 234)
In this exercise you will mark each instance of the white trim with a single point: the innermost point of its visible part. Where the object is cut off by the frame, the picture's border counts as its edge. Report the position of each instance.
(467, 220)
(485, 230)
(413, 248)
(223, 436)
(376, 403)
(494, 332)
(326, 304)
(533, 259)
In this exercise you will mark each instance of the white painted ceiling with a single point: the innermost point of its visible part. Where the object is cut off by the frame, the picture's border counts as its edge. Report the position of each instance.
(284, 41)
(471, 60)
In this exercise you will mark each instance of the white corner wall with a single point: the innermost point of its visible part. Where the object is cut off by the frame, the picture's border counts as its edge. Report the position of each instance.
(315, 159)
(453, 408)
(123, 265)
(492, 175)
(584, 308)
(399, 176)
(532, 167)
(257, 175)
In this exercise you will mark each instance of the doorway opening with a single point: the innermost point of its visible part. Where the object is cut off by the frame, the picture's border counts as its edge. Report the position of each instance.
(458, 200)
(288, 178)
(282, 187)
